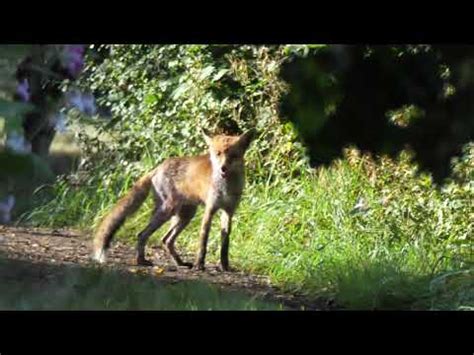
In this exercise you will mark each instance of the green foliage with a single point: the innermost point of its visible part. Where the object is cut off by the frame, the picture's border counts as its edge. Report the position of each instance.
(371, 232)
(161, 95)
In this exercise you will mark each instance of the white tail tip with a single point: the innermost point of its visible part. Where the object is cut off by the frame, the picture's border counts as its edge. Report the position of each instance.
(99, 256)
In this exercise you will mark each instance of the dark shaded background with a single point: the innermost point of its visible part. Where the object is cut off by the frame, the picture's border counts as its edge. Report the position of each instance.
(341, 95)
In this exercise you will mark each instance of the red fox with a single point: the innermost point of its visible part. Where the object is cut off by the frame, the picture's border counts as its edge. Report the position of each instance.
(179, 185)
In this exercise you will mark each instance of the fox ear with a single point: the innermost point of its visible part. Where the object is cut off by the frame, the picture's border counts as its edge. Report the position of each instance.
(246, 138)
(206, 136)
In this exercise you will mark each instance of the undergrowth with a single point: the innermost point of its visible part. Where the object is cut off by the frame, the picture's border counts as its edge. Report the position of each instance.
(373, 233)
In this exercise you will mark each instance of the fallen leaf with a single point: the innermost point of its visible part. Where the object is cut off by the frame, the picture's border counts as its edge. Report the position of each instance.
(158, 270)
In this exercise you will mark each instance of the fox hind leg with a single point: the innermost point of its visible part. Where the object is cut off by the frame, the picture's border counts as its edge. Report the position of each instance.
(181, 220)
(158, 218)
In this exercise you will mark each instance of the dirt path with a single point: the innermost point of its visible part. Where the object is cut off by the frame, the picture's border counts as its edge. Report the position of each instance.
(66, 247)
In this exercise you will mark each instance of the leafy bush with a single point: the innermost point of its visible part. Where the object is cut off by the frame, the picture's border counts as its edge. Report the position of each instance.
(160, 97)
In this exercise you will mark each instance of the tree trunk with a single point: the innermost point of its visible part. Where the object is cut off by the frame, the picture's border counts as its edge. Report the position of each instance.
(41, 142)
(37, 129)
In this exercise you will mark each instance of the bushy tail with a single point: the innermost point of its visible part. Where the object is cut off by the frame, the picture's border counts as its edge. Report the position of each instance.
(125, 207)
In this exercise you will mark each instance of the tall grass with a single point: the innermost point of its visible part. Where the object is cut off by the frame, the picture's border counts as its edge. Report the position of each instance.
(373, 234)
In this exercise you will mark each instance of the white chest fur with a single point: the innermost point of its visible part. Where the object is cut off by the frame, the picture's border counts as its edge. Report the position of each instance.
(226, 192)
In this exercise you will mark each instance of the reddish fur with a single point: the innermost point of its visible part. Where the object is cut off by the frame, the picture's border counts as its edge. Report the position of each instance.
(126, 206)
(196, 181)
(181, 182)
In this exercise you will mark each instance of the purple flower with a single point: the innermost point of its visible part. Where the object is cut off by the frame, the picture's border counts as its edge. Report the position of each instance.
(76, 48)
(17, 143)
(59, 122)
(6, 208)
(83, 102)
(75, 100)
(23, 90)
(73, 59)
(74, 67)
(88, 102)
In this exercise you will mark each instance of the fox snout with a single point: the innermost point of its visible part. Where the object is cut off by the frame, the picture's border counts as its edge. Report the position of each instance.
(225, 167)
(224, 171)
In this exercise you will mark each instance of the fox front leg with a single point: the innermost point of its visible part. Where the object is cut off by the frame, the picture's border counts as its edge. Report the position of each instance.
(226, 225)
(204, 236)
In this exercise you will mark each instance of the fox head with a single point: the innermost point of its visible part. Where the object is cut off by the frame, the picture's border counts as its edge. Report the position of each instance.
(227, 152)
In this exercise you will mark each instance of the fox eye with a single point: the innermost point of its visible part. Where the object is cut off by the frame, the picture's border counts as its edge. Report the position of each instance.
(219, 154)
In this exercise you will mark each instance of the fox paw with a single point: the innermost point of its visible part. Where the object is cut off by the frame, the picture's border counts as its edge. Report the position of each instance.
(188, 265)
(225, 269)
(144, 262)
(199, 267)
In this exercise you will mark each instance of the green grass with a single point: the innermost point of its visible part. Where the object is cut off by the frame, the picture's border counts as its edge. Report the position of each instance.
(98, 289)
(306, 236)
